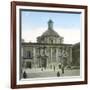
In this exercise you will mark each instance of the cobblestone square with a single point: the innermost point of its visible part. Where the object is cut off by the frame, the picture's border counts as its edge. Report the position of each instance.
(38, 73)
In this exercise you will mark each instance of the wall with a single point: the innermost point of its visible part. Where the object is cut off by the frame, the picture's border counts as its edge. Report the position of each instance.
(5, 45)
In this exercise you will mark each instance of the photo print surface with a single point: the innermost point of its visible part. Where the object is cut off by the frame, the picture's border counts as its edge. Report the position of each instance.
(50, 44)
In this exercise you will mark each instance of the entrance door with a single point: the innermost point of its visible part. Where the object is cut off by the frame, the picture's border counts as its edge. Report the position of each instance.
(44, 63)
(64, 61)
(59, 66)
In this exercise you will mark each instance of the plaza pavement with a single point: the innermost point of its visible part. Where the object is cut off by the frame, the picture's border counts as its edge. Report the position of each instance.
(38, 73)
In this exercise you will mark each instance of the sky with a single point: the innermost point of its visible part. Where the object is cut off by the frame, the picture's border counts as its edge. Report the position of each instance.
(34, 23)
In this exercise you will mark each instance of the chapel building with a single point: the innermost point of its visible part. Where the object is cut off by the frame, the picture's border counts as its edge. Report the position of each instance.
(48, 52)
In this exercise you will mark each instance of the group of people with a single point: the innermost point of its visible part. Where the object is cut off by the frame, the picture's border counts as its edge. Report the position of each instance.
(59, 72)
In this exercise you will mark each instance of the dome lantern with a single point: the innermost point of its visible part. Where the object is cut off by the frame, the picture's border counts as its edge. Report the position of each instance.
(50, 24)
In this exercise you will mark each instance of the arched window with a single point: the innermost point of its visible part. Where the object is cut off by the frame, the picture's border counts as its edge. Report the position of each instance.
(51, 41)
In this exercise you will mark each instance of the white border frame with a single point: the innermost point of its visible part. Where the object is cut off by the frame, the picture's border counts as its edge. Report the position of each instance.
(49, 80)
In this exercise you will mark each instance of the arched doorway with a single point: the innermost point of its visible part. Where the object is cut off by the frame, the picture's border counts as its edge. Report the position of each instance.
(59, 66)
(65, 61)
(44, 62)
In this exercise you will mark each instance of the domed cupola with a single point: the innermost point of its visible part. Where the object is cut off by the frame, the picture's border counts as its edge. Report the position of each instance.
(50, 36)
(50, 31)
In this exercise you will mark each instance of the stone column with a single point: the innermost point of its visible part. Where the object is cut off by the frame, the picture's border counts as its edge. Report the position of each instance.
(57, 61)
(51, 55)
(70, 55)
(34, 57)
(57, 55)
(39, 54)
(22, 56)
(21, 63)
(63, 55)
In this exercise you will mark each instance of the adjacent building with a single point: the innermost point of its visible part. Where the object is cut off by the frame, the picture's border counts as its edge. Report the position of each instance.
(76, 54)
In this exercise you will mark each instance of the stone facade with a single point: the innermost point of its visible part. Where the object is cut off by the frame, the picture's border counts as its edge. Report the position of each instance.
(76, 54)
(48, 52)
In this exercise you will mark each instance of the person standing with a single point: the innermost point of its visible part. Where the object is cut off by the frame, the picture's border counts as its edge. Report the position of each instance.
(24, 74)
(58, 74)
(62, 69)
(54, 68)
